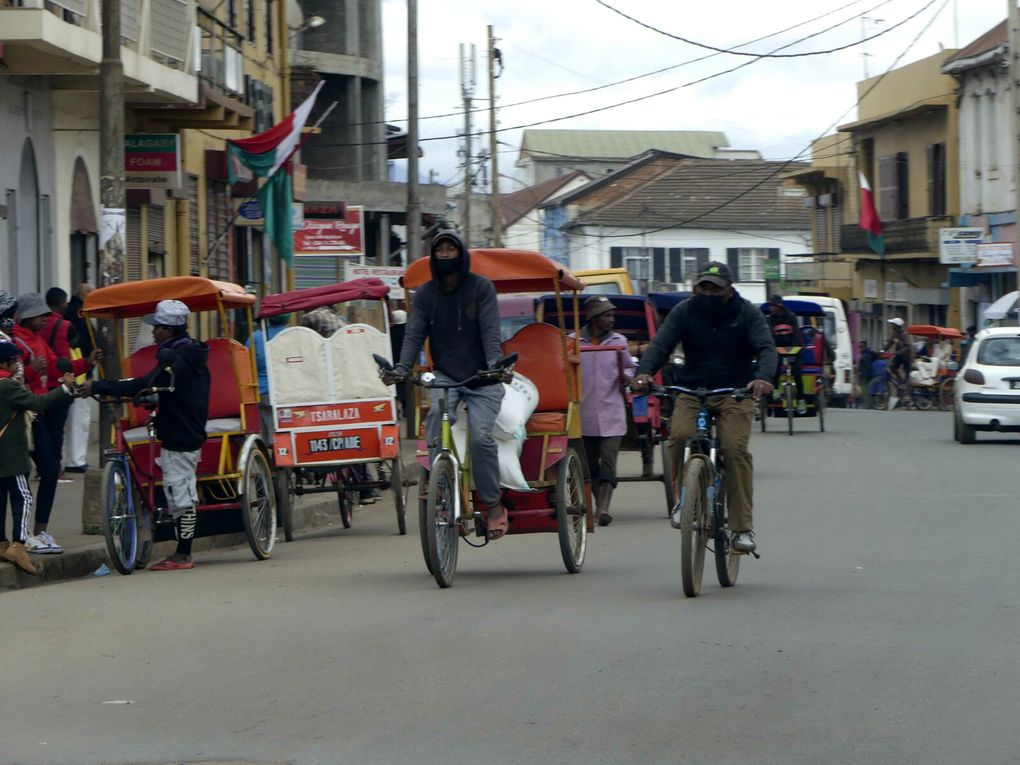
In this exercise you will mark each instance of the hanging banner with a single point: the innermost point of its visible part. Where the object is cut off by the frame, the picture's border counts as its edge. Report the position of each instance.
(112, 245)
(331, 236)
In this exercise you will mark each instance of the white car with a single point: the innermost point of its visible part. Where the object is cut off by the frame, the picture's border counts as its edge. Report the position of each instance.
(988, 386)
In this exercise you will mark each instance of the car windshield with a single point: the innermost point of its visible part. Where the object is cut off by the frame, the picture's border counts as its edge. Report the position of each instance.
(606, 288)
(1000, 352)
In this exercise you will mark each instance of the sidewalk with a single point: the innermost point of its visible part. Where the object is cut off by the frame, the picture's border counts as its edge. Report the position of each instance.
(84, 553)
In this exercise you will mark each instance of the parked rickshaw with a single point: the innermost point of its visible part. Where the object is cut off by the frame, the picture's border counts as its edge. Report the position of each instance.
(234, 475)
(647, 422)
(927, 390)
(812, 357)
(331, 415)
(559, 496)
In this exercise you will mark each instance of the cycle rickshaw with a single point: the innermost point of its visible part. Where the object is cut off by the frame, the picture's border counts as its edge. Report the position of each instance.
(331, 415)
(558, 499)
(938, 387)
(812, 356)
(234, 475)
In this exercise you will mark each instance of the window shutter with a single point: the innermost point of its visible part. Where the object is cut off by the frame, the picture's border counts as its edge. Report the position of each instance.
(702, 257)
(659, 264)
(616, 257)
(733, 261)
(193, 225)
(902, 186)
(676, 268)
(217, 218)
(888, 198)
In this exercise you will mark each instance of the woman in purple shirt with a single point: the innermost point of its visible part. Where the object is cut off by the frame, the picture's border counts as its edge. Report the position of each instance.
(604, 375)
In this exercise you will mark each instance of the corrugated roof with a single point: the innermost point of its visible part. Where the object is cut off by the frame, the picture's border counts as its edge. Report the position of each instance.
(696, 193)
(989, 41)
(518, 204)
(619, 144)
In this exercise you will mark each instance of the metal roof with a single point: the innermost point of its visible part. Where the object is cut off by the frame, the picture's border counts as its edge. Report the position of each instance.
(618, 144)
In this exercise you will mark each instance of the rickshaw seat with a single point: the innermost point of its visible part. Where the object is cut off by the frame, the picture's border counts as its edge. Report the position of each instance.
(215, 427)
(547, 422)
(540, 358)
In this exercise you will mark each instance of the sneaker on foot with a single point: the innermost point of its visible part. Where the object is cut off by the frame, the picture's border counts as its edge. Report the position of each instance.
(801, 406)
(605, 519)
(54, 545)
(744, 541)
(18, 555)
(76, 468)
(64, 479)
(37, 545)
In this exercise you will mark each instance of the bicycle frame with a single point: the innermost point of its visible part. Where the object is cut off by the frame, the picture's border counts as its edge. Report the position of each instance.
(708, 449)
(448, 450)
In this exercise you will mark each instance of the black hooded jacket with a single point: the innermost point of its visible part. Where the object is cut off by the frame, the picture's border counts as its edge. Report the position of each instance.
(461, 325)
(181, 416)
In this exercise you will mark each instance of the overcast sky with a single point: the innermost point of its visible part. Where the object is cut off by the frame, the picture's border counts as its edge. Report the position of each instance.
(554, 47)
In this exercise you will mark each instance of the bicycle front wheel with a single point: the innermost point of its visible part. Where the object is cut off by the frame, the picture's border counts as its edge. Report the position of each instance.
(727, 562)
(693, 534)
(442, 533)
(789, 403)
(120, 519)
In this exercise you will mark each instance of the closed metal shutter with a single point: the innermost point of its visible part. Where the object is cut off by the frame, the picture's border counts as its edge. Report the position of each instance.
(155, 225)
(133, 266)
(193, 254)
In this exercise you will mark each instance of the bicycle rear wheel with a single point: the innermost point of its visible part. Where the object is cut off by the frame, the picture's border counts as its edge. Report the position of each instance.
(727, 562)
(442, 533)
(120, 519)
(788, 402)
(668, 477)
(946, 391)
(423, 503)
(693, 525)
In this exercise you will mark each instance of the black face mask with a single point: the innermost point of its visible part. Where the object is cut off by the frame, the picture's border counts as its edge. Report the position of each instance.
(447, 267)
(710, 304)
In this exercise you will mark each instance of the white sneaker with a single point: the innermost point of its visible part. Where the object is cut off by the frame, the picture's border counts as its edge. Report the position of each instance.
(37, 545)
(745, 541)
(54, 545)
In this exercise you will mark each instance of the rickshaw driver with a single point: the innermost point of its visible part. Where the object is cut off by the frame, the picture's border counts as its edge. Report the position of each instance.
(180, 418)
(721, 334)
(786, 334)
(458, 313)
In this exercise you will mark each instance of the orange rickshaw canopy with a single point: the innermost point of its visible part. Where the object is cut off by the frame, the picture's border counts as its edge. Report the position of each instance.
(509, 270)
(132, 299)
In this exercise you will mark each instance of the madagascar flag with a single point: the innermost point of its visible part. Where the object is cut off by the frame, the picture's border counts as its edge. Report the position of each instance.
(869, 218)
(268, 156)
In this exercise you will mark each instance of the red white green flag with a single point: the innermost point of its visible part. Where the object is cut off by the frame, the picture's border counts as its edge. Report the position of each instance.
(268, 155)
(869, 218)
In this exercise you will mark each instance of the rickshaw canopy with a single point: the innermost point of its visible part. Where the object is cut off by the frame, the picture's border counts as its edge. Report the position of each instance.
(931, 331)
(132, 299)
(798, 307)
(316, 297)
(509, 270)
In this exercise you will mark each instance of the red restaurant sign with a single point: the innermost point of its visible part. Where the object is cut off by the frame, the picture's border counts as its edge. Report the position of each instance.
(330, 236)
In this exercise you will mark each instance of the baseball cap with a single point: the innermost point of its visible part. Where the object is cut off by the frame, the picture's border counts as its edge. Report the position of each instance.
(597, 305)
(716, 273)
(168, 313)
(777, 300)
(30, 305)
(897, 321)
(8, 351)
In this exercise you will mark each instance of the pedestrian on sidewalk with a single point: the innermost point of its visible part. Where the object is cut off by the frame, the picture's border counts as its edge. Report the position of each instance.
(79, 418)
(604, 376)
(15, 400)
(62, 338)
(40, 363)
(180, 417)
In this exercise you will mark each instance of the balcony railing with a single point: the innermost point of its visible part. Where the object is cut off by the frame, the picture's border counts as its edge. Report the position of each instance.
(222, 62)
(920, 235)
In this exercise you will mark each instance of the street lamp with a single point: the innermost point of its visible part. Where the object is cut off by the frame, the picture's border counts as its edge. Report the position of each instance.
(312, 22)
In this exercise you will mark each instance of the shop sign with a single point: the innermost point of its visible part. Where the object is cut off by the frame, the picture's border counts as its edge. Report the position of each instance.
(959, 245)
(995, 254)
(330, 236)
(389, 275)
(152, 161)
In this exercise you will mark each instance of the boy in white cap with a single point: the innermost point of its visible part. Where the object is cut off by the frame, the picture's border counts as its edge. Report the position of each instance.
(902, 349)
(180, 418)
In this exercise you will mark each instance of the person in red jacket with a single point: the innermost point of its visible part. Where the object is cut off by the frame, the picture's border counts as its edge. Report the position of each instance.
(40, 364)
(61, 336)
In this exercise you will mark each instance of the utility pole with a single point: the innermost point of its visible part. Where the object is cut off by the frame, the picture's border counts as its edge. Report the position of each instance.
(113, 236)
(1013, 24)
(467, 89)
(497, 217)
(413, 203)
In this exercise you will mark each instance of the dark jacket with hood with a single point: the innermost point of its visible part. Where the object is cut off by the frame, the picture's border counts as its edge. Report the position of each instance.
(720, 344)
(785, 329)
(181, 416)
(461, 324)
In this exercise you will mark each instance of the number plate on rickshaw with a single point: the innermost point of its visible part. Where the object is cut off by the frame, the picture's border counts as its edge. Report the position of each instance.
(336, 445)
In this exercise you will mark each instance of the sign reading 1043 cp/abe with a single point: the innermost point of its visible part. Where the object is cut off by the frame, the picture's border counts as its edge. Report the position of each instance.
(959, 245)
(152, 161)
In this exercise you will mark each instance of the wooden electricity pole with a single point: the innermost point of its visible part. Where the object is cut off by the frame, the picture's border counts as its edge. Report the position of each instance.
(413, 202)
(497, 217)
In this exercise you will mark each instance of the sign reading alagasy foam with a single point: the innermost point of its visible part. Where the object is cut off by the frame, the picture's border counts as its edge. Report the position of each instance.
(152, 161)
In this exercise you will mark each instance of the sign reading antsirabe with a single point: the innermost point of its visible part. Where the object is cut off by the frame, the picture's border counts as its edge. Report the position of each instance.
(152, 161)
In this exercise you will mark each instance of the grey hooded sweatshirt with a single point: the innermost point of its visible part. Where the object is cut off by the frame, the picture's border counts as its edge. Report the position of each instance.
(461, 324)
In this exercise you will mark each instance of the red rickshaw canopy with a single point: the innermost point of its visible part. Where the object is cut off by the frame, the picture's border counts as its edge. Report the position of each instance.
(316, 297)
(131, 299)
(509, 270)
(931, 331)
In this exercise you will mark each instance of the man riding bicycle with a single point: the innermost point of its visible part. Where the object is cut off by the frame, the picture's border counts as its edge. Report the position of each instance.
(902, 350)
(722, 335)
(786, 334)
(458, 313)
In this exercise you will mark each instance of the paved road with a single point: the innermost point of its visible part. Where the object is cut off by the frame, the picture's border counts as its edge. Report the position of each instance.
(882, 625)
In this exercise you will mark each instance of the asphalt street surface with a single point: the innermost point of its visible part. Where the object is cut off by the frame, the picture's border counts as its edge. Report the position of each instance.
(882, 625)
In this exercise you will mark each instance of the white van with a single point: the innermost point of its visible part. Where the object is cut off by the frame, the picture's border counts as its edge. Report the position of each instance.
(837, 332)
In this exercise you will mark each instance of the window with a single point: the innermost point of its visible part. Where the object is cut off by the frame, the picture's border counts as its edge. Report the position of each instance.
(270, 20)
(977, 120)
(685, 263)
(748, 263)
(937, 179)
(1000, 352)
(893, 178)
(991, 131)
(249, 18)
(638, 262)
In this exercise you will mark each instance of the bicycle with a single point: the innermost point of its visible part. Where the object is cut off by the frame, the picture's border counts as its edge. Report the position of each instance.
(449, 489)
(787, 389)
(702, 510)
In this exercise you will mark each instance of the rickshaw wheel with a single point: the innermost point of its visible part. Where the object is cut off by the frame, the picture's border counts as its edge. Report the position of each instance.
(668, 479)
(397, 487)
(346, 496)
(946, 391)
(258, 504)
(120, 526)
(442, 533)
(693, 525)
(923, 401)
(570, 512)
(283, 482)
(423, 484)
(727, 563)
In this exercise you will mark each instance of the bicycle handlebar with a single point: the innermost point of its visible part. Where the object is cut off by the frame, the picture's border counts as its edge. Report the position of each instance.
(702, 394)
(427, 379)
